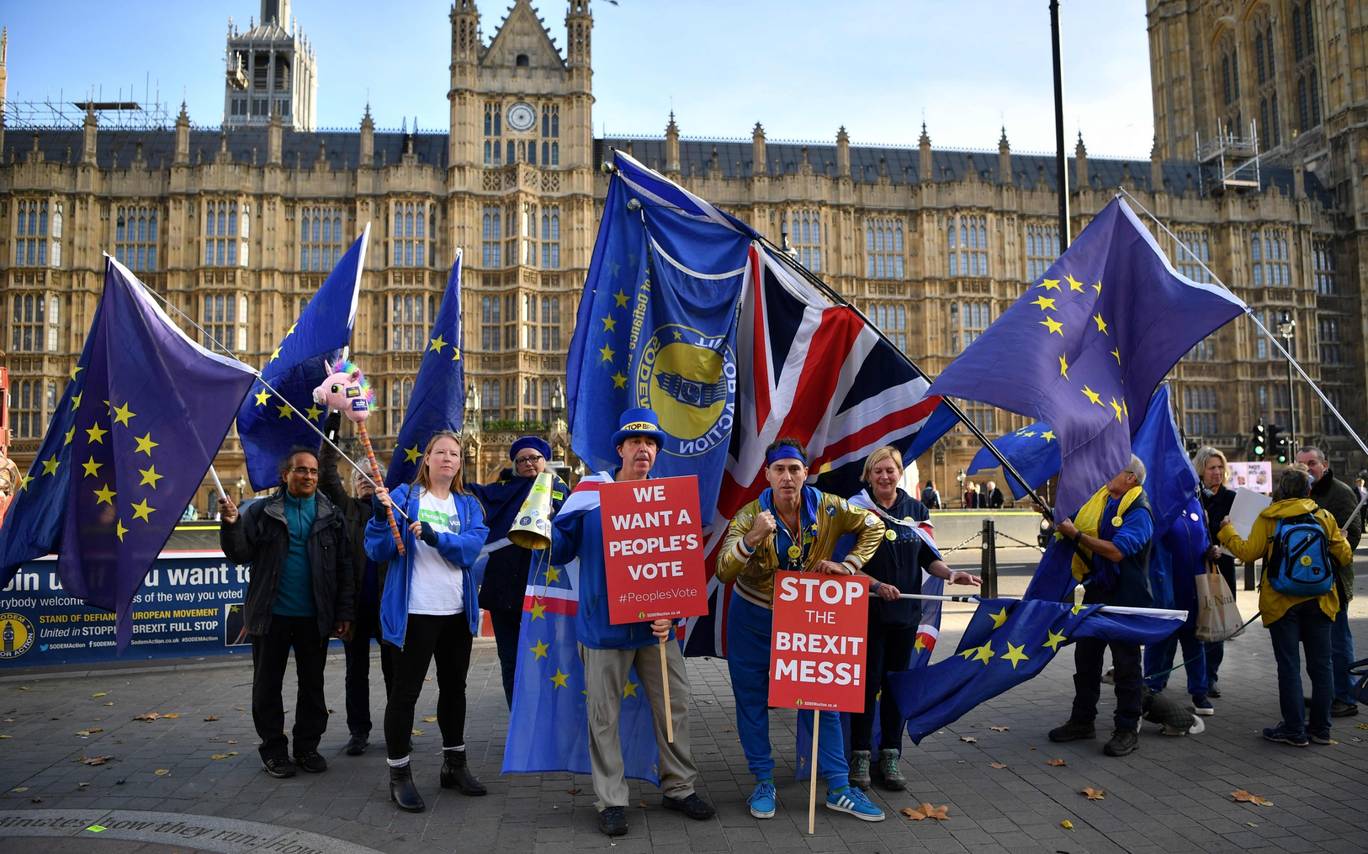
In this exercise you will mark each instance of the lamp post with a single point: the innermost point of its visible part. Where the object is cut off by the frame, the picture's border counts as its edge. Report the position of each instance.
(1286, 326)
(241, 486)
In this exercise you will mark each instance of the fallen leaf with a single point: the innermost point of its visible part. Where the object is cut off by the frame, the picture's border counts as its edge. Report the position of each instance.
(1056, 763)
(210, 718)
(1362, 726)
(1250, 824)
(218, 756)
(429, 719)
(921, 812)
(1066, 824)
(1093, 794)
(95, 760)
(1000, 728)
(162, 772)
(98, 694)
(110, 703)
(1244, 797)
(997, 765)
(170, 715)
(18, 789)
(88, 732)
(417, 731)
(147, 716)
(572, 791)
(968, 739)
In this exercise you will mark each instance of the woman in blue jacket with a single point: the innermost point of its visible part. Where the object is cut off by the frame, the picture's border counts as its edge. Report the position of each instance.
(429, 610)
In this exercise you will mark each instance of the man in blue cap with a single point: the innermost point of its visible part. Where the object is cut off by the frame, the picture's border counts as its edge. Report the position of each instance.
(506, 563)
(609, 651)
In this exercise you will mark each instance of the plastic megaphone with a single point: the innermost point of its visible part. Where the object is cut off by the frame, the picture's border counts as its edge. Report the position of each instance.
(532, 528)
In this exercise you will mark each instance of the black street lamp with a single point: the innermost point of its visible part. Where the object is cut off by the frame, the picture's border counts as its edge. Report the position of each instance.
(1286, 326)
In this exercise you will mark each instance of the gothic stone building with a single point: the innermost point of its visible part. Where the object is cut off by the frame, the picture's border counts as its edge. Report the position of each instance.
(238, 225)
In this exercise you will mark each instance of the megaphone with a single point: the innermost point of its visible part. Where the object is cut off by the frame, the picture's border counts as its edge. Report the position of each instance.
(532, 527)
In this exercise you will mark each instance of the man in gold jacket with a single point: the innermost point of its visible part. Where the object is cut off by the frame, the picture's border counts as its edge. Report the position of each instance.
(792, 527)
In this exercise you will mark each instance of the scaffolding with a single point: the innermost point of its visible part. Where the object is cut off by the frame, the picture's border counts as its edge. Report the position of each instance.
(1229, 162)
(71, 115)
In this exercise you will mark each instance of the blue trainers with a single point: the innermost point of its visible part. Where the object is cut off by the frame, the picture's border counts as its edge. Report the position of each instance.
(1283, 735)
(1202, 706)
(852, 800)
(762, 800)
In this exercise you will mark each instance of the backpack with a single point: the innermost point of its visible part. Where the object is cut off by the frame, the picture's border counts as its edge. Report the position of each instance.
(930, 498)
(1300, 562)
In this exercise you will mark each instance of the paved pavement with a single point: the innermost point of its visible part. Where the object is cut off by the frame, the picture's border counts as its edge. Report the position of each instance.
(191, 779)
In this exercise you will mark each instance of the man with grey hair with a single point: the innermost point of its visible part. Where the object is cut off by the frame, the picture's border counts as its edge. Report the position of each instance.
(1111, 538)
(1341, 500)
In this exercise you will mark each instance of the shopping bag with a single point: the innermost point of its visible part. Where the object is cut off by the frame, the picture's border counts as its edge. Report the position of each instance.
(1218, 618)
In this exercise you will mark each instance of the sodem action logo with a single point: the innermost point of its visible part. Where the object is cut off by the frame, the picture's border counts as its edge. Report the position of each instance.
(16, 635)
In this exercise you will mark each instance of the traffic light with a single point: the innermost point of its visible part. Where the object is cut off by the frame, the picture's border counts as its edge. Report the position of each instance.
(1282, 447)
(1277, 442)
(1258, 443)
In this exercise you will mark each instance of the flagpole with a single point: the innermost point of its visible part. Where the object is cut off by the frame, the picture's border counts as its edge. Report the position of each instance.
(831, 292)
(1105, 609)
(1121, 191)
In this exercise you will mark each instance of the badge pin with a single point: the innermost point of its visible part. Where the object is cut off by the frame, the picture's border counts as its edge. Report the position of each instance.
(794, 552)
(1116, 521)
(890, 535)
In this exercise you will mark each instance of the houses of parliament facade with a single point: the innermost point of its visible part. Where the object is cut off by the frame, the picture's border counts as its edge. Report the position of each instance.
(1259, 164)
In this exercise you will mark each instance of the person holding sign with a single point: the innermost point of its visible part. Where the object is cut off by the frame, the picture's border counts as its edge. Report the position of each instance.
(791, 526)
(610, 651)
(897, 567)
(428, 610)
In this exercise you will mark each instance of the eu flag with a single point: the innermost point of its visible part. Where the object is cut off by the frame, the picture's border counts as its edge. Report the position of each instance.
(1033, 450)
(1007, 642)
(137, 427)
(269, 423)
(437, 401)
(657, 328)
(1096, 334)
(548, 724)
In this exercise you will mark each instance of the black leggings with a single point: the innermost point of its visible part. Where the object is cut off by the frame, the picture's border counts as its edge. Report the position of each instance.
(447, 639)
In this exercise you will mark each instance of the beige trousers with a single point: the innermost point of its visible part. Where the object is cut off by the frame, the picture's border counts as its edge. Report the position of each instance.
(605, 675)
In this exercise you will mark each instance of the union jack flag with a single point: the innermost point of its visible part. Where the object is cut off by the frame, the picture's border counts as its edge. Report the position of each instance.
(812, 369)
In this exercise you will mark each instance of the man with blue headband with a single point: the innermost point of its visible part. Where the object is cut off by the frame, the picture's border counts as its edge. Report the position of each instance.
(794, 527)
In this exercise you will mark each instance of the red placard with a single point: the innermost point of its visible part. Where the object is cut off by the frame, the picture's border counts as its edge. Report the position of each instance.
(817, 648)
(653, 550)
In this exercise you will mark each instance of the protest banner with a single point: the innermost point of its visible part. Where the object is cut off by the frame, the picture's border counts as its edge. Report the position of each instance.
(653, 550)
(817, 650)
(653, 556)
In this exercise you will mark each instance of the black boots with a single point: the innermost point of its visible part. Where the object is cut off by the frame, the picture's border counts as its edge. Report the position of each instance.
(403, 792)
(456, 774)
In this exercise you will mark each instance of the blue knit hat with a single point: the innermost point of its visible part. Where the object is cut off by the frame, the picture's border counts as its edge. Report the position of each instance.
(529, 442)
(638, 422)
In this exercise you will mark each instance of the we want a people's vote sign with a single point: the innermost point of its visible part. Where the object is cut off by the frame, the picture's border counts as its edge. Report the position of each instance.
(817, 650)
(653, 550)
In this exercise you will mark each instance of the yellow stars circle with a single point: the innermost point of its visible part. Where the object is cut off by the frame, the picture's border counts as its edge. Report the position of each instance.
(629, 690)
(262, 396)
(538, 611)
(122, 414)
(411, 455)
(1053, 325)
(1116, 406)
(560, 680)
(609, 324)
(455, 354)
(1045, 303)
(105, 495)
(1015, 654)
(76, 401)
(284, 410)
(96, 433)
(70, 434)
(552, 575)
(313, 412)
(51, 464)
(539, 649)
(1048, 435)
(145, 445)
(984, 653)
(437, 344)
(1063, 367)
(92, 468)
(999, 618)
(142, 510)
(1054, 640)
(606, 353)
(1117, 355)
(1101, 324)
(620, 298)
(1050, 284)
(1092, 395)
(149, 476)
(1074, 284)
(619, 380)
(119, 529)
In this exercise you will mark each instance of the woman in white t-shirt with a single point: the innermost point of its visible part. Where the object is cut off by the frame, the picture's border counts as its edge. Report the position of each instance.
(429, 610)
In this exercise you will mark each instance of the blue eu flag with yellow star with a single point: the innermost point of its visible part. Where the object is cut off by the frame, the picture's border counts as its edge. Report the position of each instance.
(437, 401)
(1084, 348)
(136, 429)
(269, 422)
(1033, 450)
(657, 327)
(1007, 642)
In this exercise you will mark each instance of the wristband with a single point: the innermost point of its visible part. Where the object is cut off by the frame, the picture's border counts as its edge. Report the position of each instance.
(876, 587)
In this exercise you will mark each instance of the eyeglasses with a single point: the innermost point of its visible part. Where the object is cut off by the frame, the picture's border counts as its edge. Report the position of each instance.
(529, 458)
(303, 471)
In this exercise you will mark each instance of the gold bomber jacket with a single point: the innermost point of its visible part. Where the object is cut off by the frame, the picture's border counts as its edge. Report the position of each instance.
(754, 574)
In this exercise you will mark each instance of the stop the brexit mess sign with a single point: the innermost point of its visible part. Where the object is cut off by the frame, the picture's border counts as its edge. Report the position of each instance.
(653, 550)
(817, 649)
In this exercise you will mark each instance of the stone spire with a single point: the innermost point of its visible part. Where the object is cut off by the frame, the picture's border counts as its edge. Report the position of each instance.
(1004, 159)
(758, 150)
(1081, 164)
(88, 136)
(183, 136)
(367, 153)
(672, 145)
(842, 153)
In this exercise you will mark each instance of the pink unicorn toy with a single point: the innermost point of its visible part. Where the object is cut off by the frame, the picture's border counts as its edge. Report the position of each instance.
(346, 390)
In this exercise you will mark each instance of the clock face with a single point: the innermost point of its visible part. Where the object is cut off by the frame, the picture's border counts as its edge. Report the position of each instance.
(521, 116)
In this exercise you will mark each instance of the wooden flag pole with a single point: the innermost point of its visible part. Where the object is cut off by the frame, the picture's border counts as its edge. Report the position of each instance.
(665, 684)
(812, 783)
